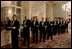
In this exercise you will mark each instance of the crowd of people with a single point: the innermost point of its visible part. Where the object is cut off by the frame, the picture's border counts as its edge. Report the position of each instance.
(41, 30)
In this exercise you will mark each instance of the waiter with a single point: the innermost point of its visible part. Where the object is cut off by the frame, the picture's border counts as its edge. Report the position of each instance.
(46, 29)
(35, 26)
(59, 26)
(15, 32)
(55, 27)
(66, 26)
(62, 26)
(42, 28)
(26, 31)
(52, 29)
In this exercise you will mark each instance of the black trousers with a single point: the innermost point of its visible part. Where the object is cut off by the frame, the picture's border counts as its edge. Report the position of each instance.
(26, 38)
(35, 37)
(50, 34)
(54, 31)
(41, 35)
(59, 30)
(44, 36)
(64, 29)
(14, 39)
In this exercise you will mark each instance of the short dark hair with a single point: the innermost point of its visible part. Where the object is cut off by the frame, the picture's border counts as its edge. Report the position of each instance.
(14, 15)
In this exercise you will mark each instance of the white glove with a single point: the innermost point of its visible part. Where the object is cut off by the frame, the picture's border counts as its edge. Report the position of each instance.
(21, 27)
(25, 26)
(45, 26)
(13, 27)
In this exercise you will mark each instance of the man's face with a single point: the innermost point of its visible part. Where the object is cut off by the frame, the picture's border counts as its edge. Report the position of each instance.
(13, 17)
(46, 19)
(34, 18)
(7, 18)
(42, 18)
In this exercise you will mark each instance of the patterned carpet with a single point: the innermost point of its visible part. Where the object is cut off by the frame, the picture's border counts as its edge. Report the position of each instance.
(59, 41)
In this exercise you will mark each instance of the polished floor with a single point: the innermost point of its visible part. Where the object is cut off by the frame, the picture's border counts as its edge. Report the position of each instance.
(59, 41)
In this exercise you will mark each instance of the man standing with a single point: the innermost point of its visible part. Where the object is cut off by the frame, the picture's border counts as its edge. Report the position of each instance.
(66, 26)
(46, 29)
(59, 26)
(26, 31)
(51, 29)
(15, 32)
(41, 28)
(55, 27)
(35, 26)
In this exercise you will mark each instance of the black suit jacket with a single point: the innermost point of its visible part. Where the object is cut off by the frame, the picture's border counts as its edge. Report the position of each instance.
(48, 26)
(42, 27)
(26, 26)
(16, 25)
(52, 26)
(35, 27)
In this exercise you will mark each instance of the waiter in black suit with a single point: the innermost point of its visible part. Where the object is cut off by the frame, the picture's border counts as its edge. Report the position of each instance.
(52, 29)
(59, 26)
(42, 28)
(46, 29)
(66, 26)
(35, 27)
(55, 27)
(15, 32)
(62, 27)
(32, 26)
(26, 31)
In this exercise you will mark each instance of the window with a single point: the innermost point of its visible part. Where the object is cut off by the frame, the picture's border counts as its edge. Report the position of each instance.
(19, 3)
(13, 10)
(18, 11)
(12, 2)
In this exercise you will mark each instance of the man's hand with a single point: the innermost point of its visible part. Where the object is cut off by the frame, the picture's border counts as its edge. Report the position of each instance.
(13, 27)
